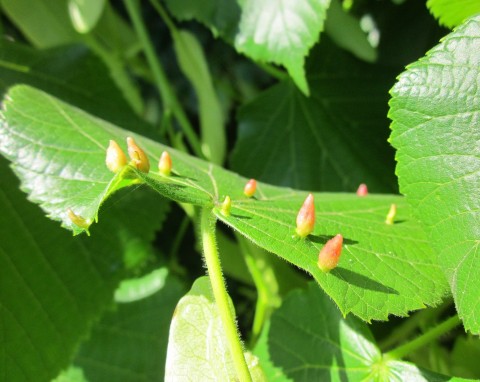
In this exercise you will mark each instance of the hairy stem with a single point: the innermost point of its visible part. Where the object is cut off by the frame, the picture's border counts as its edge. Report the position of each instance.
(424, 339)
(169, 98)
(207, 226)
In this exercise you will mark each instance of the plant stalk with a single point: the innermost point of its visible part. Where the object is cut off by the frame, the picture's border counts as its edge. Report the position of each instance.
(424, 339)
(169, 99)
(212, 260)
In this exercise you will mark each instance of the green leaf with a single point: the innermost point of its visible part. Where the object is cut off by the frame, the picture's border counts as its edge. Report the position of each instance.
(129, 344)
(53, 286)
(197, 345)
(452, 13)
(331, 141)
(85, 13)
(345, 30)
(220, 16)
(72, 374)
(434, 109)
(465, 356)
(57, 152)
(307, 339)
(281, 33)
(44, 22)
(71, 73)
(194, 65)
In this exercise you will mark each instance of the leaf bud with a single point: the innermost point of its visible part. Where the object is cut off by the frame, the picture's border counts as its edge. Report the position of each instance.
(362, 190)
(330, 253)
(306, 217)
(391, 214)
(165, 164)
(78, 220)
(115, 159)
(250, 188)
(226, 206)
(138, 156)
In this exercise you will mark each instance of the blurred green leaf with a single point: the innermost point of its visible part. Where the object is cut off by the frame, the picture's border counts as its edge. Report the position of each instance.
(452, 13)
(281, 33)
(197, 346)
(129, 344)
(85, 13)
(58, 153)
(71, 73)
(331, 141)
(53, 286)
(193, 63)
(220, 16)
(307, 339)
(465, 356)
(72, 374)
(44, 22)
(345, 30)
(434, 109)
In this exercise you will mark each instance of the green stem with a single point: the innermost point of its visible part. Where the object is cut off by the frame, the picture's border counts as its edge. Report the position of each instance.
(417, 320)
(424, 339)
(212, 260)
(169, 99)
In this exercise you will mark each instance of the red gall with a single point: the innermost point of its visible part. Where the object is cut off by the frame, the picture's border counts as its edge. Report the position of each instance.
(362, 190)
(165, 164)
(330, 254)
(250, 188)
(306, 217)
(115, 158)
(391, 214)
(138, 156)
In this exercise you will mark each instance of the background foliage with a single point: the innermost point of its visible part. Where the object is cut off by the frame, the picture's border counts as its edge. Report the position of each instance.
(296, 97)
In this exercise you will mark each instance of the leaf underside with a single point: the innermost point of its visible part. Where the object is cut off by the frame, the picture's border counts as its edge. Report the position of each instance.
(58, 151)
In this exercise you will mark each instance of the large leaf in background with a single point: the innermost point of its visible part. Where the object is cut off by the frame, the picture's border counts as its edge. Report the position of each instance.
(198, 348)
(435, 111)
(307, 340)
(53, 286)
(59, 151)
(452, 13)
(281, 32)
(331, 141)
(85, 13)
(130, 343)
(71, 73)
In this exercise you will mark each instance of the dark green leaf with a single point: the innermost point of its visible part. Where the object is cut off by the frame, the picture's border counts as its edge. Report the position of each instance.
(434, 109)
(129, 344)
(307, 340)
(53, 286)
(332, 141)
(59, 148)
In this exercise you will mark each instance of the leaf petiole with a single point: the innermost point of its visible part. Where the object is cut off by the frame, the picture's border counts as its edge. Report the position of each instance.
(424, 339)
(212, 260)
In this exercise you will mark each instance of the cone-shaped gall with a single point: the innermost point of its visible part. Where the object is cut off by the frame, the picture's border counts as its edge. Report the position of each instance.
(306, 217)
(78, 220)
(362, 190)
(391, 214)
(226, 206)
(250, 188)
(165, 164)
(115, 158)
(138, 156)
(330, 254)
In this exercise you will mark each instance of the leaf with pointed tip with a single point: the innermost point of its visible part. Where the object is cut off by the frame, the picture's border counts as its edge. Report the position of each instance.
(307, 339)
(281, 32)
(384, 269)
(435, 111)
